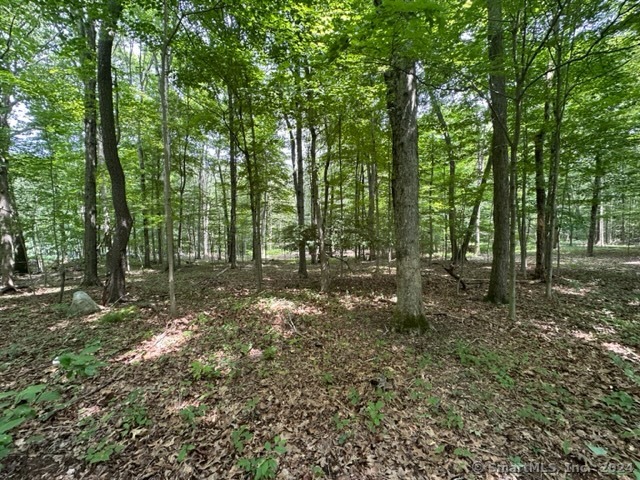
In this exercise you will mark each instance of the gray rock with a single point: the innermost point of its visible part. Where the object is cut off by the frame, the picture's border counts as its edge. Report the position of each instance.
(82, 304)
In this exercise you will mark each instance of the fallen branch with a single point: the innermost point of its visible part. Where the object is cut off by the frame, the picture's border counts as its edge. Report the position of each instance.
(342, 260)
(221, 272)
(451, 272)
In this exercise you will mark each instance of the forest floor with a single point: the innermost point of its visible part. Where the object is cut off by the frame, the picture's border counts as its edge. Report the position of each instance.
(305, 385)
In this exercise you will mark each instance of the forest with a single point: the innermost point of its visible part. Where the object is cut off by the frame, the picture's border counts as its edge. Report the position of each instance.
(296, 239)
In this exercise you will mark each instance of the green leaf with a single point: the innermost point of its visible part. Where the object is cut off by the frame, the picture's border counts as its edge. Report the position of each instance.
(597, 450)
(30, 393)
(7, 425)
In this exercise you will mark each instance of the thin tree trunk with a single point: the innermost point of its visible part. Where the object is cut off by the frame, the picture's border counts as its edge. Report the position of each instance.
(475, 212)
(115, 287)
(166, 144)
(299, 188)
(451, 184)
(595, 206)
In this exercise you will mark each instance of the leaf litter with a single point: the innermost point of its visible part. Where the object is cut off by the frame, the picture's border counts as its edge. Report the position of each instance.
(479, 397)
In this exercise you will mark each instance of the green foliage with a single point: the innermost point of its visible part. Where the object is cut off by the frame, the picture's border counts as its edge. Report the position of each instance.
(354, 396)
(239, 437)
(202, 371)
(463, 452)
(266, 466)
(619, 399)
(598, 451)
(269, 353)
(135, 413)
(184, 451)
(102, 451)
(499, 365)
(82, 364)
(327, 378)
(191, 413)
(529, 412)
(120, 315)
(374, 414)
(16, 407)
(454, 419)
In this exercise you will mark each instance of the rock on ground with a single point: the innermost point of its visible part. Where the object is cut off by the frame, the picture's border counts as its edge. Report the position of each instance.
(83, 304)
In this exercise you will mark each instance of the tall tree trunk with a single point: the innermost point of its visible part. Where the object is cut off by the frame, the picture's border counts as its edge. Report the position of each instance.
(232, 239)
(115, 287)
(146, 262)
(166, 143)
(255, 195)
(451, 184)
(88, 67)
(318, 216)
(498, 282)
(475, 212)
(299, 188)
(595, 206)
(402, 107)
(181, 189)
(554, 167)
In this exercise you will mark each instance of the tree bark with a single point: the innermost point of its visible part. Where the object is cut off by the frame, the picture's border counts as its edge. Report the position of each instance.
(88, 72)
(595, 206)
(402, 107)
(115, 287)
(299, 188)
(498, 282)
(166, 143)
(232, 245)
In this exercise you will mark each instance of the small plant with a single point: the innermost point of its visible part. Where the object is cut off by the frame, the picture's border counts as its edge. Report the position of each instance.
(463, 452)
(327, 378)
(239, 437)
(341, 426)
(191, 413)
(120, 315)
(102, 452)
(135, 413)
(245, 348)
(269, 353)
(251, 405)
(82, 364)
(19, 406)
(354, 397)
(375, 415)
(184, 451)
(265, 467)
(425, 361)
(619, 399)
(420, 390)
(201, 371)
(531, 413)
(566, 447)
(454, 419)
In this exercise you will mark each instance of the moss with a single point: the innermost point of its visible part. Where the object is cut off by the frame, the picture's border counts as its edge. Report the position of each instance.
(406, 322)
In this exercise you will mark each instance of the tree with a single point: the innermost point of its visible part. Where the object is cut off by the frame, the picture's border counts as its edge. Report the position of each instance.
(498, 282)
(87, 30)
(115, 287)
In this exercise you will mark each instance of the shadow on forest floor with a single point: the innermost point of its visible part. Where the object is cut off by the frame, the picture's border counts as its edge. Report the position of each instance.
(189, 397)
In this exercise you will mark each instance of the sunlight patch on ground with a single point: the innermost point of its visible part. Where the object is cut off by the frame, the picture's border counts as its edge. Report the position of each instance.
(622, 351)
(282, 313)
(580, 335)
(168, 341)
(85, 412)
(579, 292)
